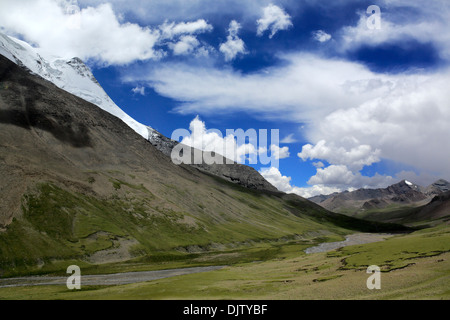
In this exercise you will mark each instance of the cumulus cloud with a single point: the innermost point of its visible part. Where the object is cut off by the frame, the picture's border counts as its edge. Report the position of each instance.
(321, 36)
(408, 125)
(327, 181)
(274, 176)
(234, 45)
(97, 32)
(213, 141)
(185, 45)
(181, 37)
(279, 153)
(283, 183)
(356, 158)
(339, 176)
(274, 19)
(91, 33)
(237, 145)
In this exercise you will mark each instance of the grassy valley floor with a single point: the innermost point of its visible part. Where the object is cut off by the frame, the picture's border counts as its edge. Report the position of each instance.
(414, 266)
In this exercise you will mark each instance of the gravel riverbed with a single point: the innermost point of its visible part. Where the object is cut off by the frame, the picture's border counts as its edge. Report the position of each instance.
(350, 240)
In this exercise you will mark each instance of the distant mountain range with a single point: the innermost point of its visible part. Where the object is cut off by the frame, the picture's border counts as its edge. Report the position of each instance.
(369, 203)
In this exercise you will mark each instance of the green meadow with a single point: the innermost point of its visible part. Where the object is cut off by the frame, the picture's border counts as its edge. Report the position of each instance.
(414, 266)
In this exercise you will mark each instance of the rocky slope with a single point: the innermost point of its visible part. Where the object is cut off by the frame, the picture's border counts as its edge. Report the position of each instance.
(237, 173)
(438, 187)
(435, 212)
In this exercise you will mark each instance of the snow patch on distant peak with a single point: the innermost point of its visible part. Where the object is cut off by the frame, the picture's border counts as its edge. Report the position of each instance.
(71, 75)
(408, 183)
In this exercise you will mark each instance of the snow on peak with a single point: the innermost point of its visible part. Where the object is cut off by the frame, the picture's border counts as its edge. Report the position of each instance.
(70, 75)
(408, 183)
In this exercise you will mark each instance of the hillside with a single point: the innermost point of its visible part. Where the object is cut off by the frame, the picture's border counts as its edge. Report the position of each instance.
(79, 185)
(435, 212)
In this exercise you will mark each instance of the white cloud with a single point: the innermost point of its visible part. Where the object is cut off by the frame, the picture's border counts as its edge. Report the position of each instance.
(327, 181)
(274, 19)
(289, 139)
(213, 140)
(425, 27)
(234, 45)
(333, 175)
(93, 33)
(274, 176)
(181, 37)
(340, 176)
(155, 12)
(283, 183)
(186, 45)
(287, 92)
(97, 32)
(318, 164)
(279, 153)
(408, 125)
(171, 30)
(139, 90)
(321, 36)
(356, 158)
(237, 145)
(422, 179)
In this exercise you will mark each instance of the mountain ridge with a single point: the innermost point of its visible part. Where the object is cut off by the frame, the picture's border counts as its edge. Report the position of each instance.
(403, 193)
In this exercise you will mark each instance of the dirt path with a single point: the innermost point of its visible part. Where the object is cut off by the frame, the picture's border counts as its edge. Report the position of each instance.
(353, 239)
(105, 280)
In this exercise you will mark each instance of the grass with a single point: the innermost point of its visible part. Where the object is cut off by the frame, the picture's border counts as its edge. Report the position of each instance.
(172, 229)
(60, 225)
(290, 274)
(397, 253)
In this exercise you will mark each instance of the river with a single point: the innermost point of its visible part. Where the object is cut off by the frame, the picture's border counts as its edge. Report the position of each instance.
(106, 279)
(350, 240)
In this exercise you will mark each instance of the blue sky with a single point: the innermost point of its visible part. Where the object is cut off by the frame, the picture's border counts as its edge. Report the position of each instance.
(361, 107)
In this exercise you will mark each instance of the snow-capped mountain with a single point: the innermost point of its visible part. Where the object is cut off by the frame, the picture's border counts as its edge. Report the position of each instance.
(70, 75)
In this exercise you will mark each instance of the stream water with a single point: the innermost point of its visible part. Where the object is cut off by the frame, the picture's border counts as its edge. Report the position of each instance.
(106, 279)
(353, 239)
